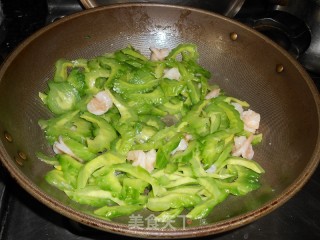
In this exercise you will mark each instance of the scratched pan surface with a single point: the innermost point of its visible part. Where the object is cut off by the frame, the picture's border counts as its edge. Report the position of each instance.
(246, 67)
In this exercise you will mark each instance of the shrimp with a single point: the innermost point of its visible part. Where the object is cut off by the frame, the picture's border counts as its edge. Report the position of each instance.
(61, 148)
(213, 93)
(143, 159)
(159, 54)
(243, 147)
(183, 145)
(100, 103)
(251, 120)
(238, 107)
(172, 73)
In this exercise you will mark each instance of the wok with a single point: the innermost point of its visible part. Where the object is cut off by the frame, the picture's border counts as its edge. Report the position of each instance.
(243, 62)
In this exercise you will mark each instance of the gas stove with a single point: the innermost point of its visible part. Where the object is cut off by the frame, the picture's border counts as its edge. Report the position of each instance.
(23, 217)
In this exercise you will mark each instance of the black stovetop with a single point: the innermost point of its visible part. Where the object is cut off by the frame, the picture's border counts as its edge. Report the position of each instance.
(23, 217)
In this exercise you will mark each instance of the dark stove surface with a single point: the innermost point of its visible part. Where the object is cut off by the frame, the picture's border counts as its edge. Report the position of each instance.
(23, 217)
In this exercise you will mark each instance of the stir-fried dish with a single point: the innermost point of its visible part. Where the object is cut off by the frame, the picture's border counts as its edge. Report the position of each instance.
(131, 132)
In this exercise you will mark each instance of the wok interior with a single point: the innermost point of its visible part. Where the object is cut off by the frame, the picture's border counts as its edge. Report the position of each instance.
(244, 68)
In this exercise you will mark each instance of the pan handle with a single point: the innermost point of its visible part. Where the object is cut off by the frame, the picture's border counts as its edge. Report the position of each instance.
(286, 30)
(89, 3)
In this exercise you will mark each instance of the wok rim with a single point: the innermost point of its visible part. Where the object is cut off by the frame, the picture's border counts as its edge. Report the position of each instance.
(124, 229)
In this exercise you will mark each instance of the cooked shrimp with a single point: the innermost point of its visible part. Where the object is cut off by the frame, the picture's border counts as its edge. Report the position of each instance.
(172, 73)
(143, 159)
(100, 103)
(183, 145)
(151, 157)
(61, 148)
(213, 93)
(238, 107)
(251, 120)
(159, 54)
(243, 147)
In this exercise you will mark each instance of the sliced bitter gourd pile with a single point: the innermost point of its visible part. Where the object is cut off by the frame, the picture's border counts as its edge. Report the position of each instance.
(181, 141)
